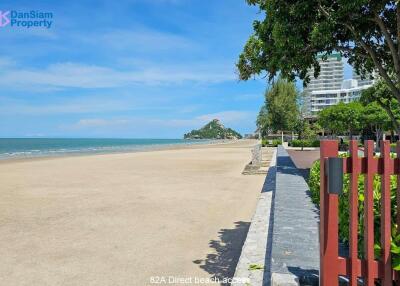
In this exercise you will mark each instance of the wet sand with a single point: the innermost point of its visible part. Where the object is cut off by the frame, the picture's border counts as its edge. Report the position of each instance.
(121, 219)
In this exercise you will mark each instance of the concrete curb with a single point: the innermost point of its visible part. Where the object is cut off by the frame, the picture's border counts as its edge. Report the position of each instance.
(278, 279)
(254, 251)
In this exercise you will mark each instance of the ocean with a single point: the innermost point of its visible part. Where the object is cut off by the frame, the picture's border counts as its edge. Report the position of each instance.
(43, 147)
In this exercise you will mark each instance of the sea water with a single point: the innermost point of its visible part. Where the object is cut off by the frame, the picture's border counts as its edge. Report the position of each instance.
(39, 147)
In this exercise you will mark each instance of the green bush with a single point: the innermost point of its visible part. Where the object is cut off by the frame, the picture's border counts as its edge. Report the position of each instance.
(344, 215)
(274, 142)
(304, 143)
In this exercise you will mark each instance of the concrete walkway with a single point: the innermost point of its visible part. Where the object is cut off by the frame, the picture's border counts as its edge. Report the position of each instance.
(295, 245)
(303, 159)
(282, 246)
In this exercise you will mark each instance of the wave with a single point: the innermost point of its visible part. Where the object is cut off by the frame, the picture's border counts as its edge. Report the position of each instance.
(25, 148)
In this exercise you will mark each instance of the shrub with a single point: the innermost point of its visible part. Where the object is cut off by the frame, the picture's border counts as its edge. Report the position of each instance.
(274, 142)
(344, 215)
(304, 143)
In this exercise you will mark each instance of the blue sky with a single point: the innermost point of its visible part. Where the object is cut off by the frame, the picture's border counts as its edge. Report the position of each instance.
(127, 68)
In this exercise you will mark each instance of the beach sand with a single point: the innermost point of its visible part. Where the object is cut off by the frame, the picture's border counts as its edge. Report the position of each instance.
(119, 219)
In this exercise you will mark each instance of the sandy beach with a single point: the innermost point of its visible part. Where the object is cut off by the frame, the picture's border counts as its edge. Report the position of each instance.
(121, 219)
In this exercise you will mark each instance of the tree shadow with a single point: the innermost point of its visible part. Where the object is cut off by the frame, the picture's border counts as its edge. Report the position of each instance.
(221, 264)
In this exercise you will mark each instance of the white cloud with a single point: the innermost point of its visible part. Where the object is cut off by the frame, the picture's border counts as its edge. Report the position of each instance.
(6, 62)
(226, 117)
(90, 123)
(88, 104)
(143, 40)
(75, 75)
(248, 97)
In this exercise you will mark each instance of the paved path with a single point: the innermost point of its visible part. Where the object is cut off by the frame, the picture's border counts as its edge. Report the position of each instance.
(303, 160)
(283, 236)
(295, 247)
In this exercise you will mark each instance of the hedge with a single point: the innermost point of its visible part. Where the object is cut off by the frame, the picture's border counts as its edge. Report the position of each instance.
(274, 143)
(304, 143)
(344, 215)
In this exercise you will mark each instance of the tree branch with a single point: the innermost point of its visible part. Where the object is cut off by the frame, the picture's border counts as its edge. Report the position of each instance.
(390, 113)
(376, 61)
(372, 54)
(381, 70)
(323, 10)
(398, 28)
(349, 50)
(390, 43)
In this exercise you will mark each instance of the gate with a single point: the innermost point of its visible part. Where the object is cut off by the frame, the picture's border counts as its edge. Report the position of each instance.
(332, 169)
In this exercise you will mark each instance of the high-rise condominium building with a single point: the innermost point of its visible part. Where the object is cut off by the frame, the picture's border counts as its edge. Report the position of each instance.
(331, 74)
(365, 81)
(330, 88)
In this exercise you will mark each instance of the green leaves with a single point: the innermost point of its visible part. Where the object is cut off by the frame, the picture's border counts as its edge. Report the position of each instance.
(389, 108)
(342, 118)
(280, 110)
(289, 39)
(344, 215)
(213, 130)
(354, 117)
(254, 266)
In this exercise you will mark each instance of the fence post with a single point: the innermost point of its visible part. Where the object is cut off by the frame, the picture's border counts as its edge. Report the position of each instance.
(353, 239)
(385, 215)
(397, 273)
(329, 270)
(369, 214)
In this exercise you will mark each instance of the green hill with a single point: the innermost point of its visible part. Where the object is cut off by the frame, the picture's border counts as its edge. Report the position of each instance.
(213, 130)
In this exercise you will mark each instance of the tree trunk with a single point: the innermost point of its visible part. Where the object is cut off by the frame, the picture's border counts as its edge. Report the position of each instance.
(389, 111)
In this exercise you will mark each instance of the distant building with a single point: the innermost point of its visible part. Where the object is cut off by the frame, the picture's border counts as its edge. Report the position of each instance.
(254, 135)
(330, 88)
(368, 80)
(331, 74)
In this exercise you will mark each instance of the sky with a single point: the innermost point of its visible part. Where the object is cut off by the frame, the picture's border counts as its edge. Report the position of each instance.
(127, 69)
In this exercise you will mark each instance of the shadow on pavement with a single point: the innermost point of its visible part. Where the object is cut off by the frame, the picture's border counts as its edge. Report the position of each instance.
(222, 262)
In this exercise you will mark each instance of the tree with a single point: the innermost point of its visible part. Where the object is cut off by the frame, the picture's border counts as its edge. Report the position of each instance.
(342, 118)
(305, 132)
(380, 94)
(262, 121)
(377, 119)
(281, 109)
(293, 33)
(301, 123)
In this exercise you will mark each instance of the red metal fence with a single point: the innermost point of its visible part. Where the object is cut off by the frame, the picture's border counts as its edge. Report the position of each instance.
(331, 264)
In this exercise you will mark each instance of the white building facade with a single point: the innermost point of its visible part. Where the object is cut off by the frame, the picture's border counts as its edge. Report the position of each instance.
(330, 88)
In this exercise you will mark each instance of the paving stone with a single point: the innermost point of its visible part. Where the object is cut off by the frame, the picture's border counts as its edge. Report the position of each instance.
(295, 246)
(283, 235)
(279, 279)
